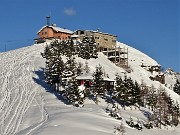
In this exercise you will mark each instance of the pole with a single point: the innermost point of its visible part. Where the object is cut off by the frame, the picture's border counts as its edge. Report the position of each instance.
(48, 20)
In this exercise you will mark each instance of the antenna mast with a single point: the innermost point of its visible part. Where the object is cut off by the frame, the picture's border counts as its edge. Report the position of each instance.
(48, 20)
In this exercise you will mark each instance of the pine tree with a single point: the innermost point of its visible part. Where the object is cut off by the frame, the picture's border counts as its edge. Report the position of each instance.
(120, 130)
(47, 54)
(79, 68)
(161, 108)
(144, 93)
(137, 97)
(54, 64)
(93, 48)
(84, 48)
(81, 50)
(98, 80)
(71, 72)
(119, 80)
(57, 70)
(176, 114)
(87, 49)
(73, 91)
(176, 87)
(131, 122)
(86, 68)
(138, 125)
(120, 92)
(151, 97)
(130, 91)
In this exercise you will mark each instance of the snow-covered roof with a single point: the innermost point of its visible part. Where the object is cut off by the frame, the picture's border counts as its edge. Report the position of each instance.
(74, 36)
(57, 29)
(87, 77)
(102, 33)
(108, 79)
(90, 77)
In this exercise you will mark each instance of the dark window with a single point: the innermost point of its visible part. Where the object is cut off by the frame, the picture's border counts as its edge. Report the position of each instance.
(105, 49)
(82, 32)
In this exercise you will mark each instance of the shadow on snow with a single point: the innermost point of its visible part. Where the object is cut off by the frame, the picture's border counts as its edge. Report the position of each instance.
(41, 81)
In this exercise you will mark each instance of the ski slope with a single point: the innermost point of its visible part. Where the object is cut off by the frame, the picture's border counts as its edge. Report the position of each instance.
(29, 107)
(18, 89)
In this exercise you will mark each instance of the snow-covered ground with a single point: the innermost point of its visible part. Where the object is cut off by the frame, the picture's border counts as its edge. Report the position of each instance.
(29, 107)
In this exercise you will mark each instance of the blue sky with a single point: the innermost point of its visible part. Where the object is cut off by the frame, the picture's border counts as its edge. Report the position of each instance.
(151, 26)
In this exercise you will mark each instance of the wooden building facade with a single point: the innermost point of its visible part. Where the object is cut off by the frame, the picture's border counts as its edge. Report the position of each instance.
(53, 32)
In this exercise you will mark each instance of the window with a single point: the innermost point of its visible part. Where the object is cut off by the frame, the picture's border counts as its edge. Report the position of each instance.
(111, 83)
(82, 32)
(105, 39)
(45, 33)
(105, 49)
(113, 40)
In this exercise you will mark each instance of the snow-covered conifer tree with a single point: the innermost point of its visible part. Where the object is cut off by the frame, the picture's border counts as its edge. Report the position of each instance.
(54, 64)
(93, 48)
(151, 97)
(120, 130)
(86, 68)
(79, 68)
(137, 97)
(98, 80)
(176, 87)
(120, 92)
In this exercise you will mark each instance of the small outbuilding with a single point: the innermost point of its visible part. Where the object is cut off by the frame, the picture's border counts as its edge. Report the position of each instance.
(87, 81)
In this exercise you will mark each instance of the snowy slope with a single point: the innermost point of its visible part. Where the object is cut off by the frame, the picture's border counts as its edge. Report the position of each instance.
(136, 58)
(27, 106)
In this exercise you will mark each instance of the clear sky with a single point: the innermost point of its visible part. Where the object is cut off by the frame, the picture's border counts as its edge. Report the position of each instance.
(151, 26)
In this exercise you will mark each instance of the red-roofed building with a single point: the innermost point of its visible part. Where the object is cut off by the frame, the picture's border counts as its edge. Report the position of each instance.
(53, 32)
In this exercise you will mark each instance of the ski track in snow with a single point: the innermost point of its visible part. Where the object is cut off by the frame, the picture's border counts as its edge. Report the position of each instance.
(44, 118)
(18, 89)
